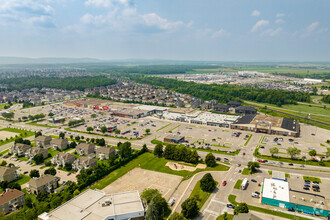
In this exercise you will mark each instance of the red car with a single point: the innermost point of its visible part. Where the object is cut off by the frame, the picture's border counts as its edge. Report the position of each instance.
(261, 161)
(243, 154)
(224, 183)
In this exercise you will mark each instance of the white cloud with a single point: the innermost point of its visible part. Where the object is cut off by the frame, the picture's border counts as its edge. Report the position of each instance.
(271, 32)
(322, 30)
(279, 21)
(278, 15)
(220, 33)
(259, 24)
(255, 13)
(28, 12)
(312, 26)
(122, 15)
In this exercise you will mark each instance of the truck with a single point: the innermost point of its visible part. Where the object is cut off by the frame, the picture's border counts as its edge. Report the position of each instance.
(244, 184)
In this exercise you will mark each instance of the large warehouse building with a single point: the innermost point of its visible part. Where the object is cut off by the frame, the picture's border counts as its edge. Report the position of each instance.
(267, 124)
(96, 205)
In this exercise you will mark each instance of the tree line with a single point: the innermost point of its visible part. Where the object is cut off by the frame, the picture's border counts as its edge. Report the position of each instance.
(68, 83)
(225, 92)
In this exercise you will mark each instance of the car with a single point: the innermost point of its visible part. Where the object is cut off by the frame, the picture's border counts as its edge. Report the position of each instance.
(262, 147)
(291, 209)
(239, 165)
(68, 174)
(26, 172)
(306, 188)
(254, 195)
(313, 134)
(63, 182)
(307, 181)
(290, 164)
(253, 180)
(306, 185)
(315, 182)
(316, 189)
(256, 192)
(226, 159)
(231, 206)
(315, 186)
(302, 165)
(224, 183)
(243, 154)
(218, 158)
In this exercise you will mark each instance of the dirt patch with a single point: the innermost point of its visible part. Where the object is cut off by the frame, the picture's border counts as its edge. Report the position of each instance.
(7, 134)
(177, 166)
(140, 179)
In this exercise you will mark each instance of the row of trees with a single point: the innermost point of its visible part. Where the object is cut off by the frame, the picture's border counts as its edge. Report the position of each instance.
(176, 152)
(225, 92)
(76, 122)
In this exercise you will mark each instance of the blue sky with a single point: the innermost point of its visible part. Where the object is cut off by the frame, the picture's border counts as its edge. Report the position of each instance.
(223, 30)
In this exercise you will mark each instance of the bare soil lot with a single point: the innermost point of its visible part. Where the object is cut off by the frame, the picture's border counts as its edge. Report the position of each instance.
(140, 179)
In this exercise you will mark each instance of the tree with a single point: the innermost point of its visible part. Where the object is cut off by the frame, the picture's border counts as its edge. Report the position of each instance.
(89, 129)
(39, 158)
(207, 183)
(117, 131)
(152, 212)
(51, 171)
(147, 130)
(328, 152)
(158, 150)
(125, 150)
(34, 173)
(73, 144)
(176, 216)
(28, 202)
(190, 208)
(157, 205)
(77, 138)
(14, 185)
(253, 166)
(148, 194)
(210, 160)
(9, 115)
(241, 208)
(93, 115)
(293, 151)
(112, 159)
(37, 134)
(68, 166)
(3, 163)
(104, 129)
(273, 150)
(51, 114)
(62, 135)
(312, 153)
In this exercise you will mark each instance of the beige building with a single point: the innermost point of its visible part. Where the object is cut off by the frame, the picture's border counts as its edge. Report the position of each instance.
(36, 150)
(59, 143)
(45, 183)
(85, 149)
(43, 141)
(8, 174)
(104, 152)
(61, 158)
(84, 162)
(19, 149)
(11, 200)
(96, 205)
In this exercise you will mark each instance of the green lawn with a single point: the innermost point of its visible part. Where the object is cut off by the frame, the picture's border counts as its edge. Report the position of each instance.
(200, 195)
(222, 217)
(246, 171)
(238, 184)
(247, 141)
(287, 175)
(232, 200)
(311, 178)
(164, 127)
(2, 106)
(21, 133)
(149, 162)
(40, 125)
(23, 179)
(270, 172)
(173, 129)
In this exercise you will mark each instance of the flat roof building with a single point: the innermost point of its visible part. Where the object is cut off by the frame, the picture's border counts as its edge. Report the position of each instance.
(176, 139)
(96, 205)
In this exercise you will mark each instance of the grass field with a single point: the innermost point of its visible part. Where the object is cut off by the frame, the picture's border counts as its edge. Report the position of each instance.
(238, 184)
(40, 125)
(19, 132)
(149, 162)
(2, 106)
(228, 217)
(246, 171)
(200, 195)
(311, 178)
(164, 127)
(23, 179)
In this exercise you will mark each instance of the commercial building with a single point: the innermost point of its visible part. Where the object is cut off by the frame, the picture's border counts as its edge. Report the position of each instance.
(96, 205)
(176, 139)
(132, 113)
(267, 124)
(11, 200)
(276, 192)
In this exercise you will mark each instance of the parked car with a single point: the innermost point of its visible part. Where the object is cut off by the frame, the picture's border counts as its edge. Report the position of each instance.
(307, 181)
(68, 174)
(224, 183)
(255, 195)
(291, 209)
(26, 172)
(253, 180)
(231, 206)
(218, 158)
(256, 192)
(306, 188)
(290, 164)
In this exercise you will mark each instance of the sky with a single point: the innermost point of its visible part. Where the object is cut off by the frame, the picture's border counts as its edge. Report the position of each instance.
(201, 30)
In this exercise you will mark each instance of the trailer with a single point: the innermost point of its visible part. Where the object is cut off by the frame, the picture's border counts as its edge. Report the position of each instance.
(244, 184)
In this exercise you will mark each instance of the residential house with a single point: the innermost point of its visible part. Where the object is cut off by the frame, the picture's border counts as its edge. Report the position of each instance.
(83, 162)
(8, 174)
(104, 152)
(61, 158)
(221, 108)
(19, 149)
(59, 143)
(234, 104)
(36, 150)
(11, 200)
(206, 105)
(43, 141)
(246, 110)
(45, 183)
(85, 149)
